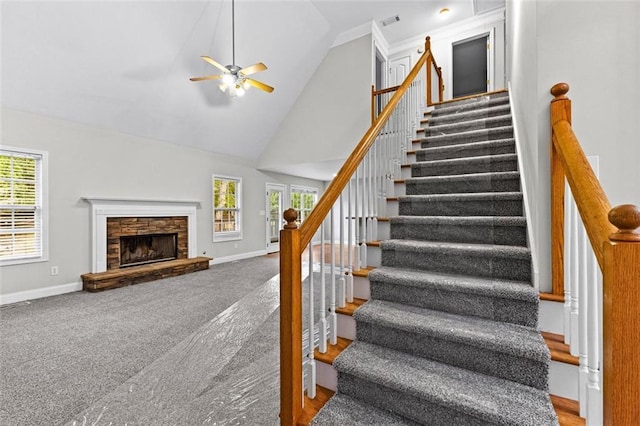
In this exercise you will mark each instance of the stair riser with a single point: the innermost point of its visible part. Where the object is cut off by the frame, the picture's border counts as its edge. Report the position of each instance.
(465, 126)
(463, 167)
(482, 360)
(477, 114)
(455, 233)
(511, 311)
(460, 263)
(458, 186)
(414, 408)
(459, 138)
(464, 151)
(461, 208)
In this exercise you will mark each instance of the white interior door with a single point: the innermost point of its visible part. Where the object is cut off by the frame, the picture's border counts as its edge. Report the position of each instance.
(398, 70)
(275, 203)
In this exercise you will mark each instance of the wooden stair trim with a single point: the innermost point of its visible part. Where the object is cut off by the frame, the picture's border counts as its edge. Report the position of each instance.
(375, 243)
(550, 297)
(312, 406)
(559, 350)
(363, 272)
(383, 219)
(567, 410)
(392, 198)
(350, 307)
(420, 130)
(332, 351)
(399, 181)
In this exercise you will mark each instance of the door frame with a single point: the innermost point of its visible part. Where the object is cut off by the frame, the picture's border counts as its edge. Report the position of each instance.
(472, 35)
(274, 247)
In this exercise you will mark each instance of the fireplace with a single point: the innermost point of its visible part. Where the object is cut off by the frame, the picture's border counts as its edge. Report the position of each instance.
(133, 241)
(143, 249)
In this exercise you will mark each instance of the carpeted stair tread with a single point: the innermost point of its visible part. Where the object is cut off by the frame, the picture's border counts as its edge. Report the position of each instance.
(508, 289)
(465, 105)
(464, 183)
(435, 393)
(465, 165)
(495, 336)
(466, 125)
(494, 133)
(481, 196)
(478, 112)
(474, 149)
(491, 298)
(487, 260)
(343, 410)
(462, 204)
(499, 230)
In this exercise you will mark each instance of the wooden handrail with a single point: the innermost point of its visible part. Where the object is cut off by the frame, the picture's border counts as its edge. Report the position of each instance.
(387, 90)
(333, 191)
(615, 239)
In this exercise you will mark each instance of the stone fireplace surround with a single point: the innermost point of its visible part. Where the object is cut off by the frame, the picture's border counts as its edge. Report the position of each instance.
(104, 208)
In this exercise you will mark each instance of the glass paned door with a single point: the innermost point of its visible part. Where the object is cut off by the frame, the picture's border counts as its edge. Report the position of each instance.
(274, 211)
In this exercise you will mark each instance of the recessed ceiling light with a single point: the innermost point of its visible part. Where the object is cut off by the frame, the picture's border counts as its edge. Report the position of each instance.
(444, 11)
(390, 20)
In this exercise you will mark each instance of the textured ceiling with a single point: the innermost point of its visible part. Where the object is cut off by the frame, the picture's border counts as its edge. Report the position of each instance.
(125, 65)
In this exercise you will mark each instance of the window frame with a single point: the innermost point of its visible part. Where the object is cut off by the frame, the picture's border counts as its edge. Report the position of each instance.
(303, 190)
(42, 193)
(221, 236)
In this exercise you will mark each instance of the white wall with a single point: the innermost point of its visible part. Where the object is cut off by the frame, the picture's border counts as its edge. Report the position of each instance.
(331, 115)
(87, 161)
(593, 46)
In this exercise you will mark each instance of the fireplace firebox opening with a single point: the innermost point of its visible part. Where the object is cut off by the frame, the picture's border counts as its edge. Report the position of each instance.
(150, 248)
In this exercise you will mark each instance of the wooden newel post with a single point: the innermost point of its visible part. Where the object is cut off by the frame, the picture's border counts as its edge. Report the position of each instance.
(290, 321)
(427, 48)
(560, 110)
(621, 318)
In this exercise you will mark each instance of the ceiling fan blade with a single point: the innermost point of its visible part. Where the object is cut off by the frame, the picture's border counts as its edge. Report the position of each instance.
(215, 64)
(259, 85)
(208, 77)
(253, 69)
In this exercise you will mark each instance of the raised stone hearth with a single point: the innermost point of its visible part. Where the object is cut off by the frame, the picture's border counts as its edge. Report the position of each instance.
(141, 274)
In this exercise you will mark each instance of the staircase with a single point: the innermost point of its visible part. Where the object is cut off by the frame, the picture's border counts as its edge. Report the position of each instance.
(449, 335)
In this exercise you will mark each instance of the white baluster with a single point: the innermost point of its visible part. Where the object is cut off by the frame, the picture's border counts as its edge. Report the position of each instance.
(322, 344)
(594, 390)
(568, 277)
(575, 295)
(582, 320)
(342, 298)
(311, 364)
(356, 257)
(333, 318)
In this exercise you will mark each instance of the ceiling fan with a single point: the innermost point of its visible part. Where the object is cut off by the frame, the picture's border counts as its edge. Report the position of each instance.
(234, 79)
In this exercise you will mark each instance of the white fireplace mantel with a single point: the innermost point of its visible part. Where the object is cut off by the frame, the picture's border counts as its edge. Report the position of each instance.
(105, 207)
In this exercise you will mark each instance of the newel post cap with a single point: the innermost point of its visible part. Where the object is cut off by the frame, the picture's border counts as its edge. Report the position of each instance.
(560, 90)
(626, 218)
(290, 215)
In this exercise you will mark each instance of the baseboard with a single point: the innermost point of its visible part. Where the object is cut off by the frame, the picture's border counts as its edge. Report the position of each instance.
(39, 293)
(239, 256)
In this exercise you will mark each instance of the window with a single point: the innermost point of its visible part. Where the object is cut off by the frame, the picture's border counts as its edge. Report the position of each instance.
(303, 199)
(22, 207)
(227, 197)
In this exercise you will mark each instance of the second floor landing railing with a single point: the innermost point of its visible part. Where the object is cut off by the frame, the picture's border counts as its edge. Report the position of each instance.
(604, 310)
(355, 197)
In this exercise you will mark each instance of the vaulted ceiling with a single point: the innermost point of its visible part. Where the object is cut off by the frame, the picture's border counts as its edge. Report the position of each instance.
(125, 65)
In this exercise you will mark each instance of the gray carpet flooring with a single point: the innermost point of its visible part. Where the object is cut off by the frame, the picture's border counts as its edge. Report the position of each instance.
(195, 349)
